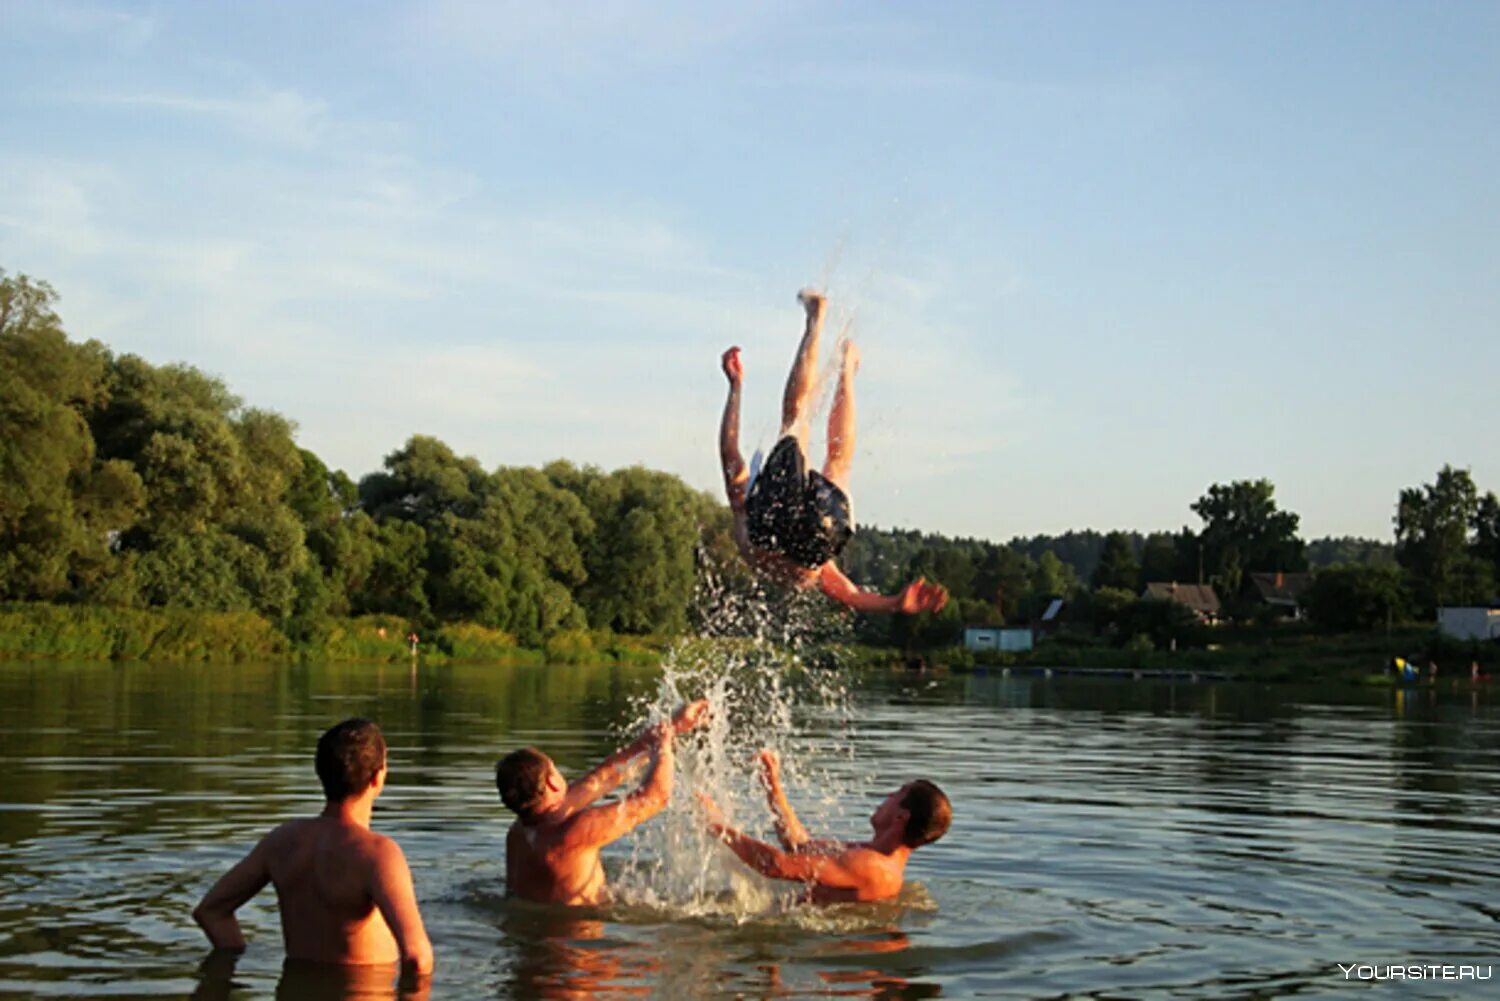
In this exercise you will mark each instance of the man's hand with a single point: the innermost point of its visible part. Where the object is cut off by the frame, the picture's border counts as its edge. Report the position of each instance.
(660, 735)
(691, 716)
(920, 596)
(734, 369)
(770, 768)
(713, 817)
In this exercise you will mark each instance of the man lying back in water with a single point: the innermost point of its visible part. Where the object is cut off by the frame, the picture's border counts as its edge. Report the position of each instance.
(839, 871)
(552, 849)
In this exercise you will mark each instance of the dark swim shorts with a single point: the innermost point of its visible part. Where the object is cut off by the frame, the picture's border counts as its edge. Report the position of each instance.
(798, 513)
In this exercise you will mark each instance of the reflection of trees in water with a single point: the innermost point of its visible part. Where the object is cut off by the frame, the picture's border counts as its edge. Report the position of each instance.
(555, 954)
(193, 744)
(1444, 784)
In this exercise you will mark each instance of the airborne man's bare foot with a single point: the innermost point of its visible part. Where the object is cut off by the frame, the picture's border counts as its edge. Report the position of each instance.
(814, 302)
(851, 356)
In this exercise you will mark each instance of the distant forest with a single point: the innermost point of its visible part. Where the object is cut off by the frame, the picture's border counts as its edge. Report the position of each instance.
(129, 484)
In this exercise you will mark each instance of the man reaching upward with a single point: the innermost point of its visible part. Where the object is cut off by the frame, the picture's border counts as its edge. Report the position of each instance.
(839, 871)
(791, 523)
(552, 849)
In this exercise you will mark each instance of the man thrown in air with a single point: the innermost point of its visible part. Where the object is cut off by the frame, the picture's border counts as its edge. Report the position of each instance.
(791, 523)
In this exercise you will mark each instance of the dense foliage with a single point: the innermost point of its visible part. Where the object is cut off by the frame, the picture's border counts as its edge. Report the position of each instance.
(139, 486)
(136, 486)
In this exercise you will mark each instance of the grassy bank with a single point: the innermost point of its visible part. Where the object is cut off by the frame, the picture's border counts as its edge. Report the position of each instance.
(33, 630)
(1264, 655)
(91, 632)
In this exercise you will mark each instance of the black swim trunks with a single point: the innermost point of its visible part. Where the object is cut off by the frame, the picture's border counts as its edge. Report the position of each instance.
(796, 512)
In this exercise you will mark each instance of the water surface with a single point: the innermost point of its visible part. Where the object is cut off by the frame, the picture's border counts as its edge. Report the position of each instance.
(1111, 839)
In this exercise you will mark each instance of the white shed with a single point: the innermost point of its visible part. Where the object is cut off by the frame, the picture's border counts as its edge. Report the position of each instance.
(995, 638)
(1473, 623)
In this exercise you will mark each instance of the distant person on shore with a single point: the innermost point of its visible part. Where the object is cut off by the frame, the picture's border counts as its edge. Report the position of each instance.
(552, 849)
(839, 871)
(790, 523)
(345, 892)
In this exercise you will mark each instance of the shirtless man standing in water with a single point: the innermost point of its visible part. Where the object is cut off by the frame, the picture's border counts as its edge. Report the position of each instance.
(790, 523)
(839, 871)
(345, 892)
(552, 849)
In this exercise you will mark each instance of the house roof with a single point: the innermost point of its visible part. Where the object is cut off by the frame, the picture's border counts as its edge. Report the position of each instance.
(1201, 598)
(1281, 588)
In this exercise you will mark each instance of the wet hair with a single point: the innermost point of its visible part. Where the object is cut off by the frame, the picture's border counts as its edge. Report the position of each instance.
(348, 758)
(930, 814)
(521, 779)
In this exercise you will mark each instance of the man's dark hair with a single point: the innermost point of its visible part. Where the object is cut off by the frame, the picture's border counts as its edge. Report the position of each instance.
(349, 755)
(931, 813)
(521, 779)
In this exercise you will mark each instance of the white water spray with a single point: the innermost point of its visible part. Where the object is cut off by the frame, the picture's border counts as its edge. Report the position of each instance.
(751, 662)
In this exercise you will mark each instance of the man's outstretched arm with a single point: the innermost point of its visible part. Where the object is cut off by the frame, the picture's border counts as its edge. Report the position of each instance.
(215, 912)
(789, 829)
(918, 596)
(610, 772)
(736, 475)
(813, 868)
(599, 825)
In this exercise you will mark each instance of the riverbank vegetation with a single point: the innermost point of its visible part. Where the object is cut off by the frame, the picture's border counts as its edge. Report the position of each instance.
(145, 511)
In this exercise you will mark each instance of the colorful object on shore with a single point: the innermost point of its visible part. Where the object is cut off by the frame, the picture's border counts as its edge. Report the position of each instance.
(1404, 670)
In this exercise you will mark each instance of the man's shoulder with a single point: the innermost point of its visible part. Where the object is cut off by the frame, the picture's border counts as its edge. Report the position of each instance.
(289, 831)
(861, 858)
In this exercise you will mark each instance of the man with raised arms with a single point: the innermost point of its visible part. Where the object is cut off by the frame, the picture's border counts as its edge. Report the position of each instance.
(839, 871)
(345, 892)
(552, 849)
(791, 522)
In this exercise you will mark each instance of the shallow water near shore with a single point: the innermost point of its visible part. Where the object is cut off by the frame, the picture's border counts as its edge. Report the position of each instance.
(1111, 838)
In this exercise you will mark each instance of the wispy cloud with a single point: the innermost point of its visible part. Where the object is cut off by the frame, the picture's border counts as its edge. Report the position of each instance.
(588, 36)
(130, 28)
(278, 116)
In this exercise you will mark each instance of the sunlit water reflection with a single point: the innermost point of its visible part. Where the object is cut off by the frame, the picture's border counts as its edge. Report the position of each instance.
(1110, 838)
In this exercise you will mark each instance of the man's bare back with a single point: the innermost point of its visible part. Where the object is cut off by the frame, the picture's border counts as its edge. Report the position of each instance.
(324, 871)
(345, 892)
(552, 849)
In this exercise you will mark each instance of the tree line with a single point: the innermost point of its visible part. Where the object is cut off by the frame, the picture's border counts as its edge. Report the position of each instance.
(1446, 552)
(128, 484)
(138, 485)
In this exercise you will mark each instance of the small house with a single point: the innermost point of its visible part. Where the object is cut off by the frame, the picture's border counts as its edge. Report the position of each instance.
(1282, 591)
(1200, 598)
(997, 638)
(1472, 623)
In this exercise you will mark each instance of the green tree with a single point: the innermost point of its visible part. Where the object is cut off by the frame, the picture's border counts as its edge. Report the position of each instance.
(1487, 531)
(62, 505)
(1351, 597)
(1243, 531)
(1053, 578)
(1433, 543)
(1117, 566)
(1003, 578)
(639, 554)
(1167, 556)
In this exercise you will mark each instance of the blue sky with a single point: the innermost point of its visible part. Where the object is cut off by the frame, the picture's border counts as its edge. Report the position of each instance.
(1098, 256)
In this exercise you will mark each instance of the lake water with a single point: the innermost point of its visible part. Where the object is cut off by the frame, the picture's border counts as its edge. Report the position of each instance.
(1111, 839)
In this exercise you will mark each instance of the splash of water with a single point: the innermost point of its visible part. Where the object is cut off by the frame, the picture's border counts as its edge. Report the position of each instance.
(754, 661)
